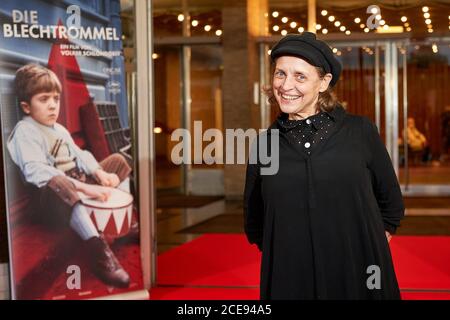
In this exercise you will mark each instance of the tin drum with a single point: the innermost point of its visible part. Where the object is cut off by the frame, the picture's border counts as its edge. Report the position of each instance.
(112, 217)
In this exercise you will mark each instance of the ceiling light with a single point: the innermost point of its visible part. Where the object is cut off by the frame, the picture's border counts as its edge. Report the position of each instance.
(275, 14)
(275, 28)
(357, 20)
(284, 19)
(324, 12)
(180, 17)
(425, 9)
(331, 18)
(194, 23)
(337, 23)
(404, 19)
(293, 24)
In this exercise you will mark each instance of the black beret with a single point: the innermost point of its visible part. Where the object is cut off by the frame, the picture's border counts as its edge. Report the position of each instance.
(306, 46)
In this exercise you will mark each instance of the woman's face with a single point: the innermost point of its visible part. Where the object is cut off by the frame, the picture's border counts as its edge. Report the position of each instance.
(296, 85)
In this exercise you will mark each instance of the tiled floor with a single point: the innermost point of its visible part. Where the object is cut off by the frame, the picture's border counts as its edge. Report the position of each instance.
(172, 221)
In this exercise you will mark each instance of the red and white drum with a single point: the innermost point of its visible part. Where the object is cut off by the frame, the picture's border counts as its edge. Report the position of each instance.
(112, 217)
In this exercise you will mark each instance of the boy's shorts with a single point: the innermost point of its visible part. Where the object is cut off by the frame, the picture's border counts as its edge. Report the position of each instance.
(53, 203)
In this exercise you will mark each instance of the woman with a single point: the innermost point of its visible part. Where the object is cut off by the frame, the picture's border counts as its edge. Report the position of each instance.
(324, 220)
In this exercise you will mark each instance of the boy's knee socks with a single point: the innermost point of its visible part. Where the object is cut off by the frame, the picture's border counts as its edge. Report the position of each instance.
(82, 224)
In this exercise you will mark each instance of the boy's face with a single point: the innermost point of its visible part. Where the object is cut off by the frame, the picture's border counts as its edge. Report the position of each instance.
(43, 107)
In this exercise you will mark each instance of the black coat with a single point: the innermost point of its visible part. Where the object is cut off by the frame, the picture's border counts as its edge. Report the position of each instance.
(320, 221)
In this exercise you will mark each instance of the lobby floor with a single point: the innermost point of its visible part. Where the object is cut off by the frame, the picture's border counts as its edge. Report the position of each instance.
(175, 226)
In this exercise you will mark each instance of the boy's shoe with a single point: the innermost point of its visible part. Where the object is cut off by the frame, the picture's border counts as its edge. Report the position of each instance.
(104, 263)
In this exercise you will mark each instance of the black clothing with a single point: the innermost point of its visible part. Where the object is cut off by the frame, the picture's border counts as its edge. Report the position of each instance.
(320, 221)
(307, 132)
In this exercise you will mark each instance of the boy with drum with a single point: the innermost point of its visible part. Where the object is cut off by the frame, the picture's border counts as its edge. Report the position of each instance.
(58, 169)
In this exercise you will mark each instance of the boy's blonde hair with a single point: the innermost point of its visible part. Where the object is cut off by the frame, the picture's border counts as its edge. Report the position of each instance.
(32, 79)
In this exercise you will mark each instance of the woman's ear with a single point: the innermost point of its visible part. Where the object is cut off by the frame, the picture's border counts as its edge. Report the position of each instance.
(325, 82)
(25, 107)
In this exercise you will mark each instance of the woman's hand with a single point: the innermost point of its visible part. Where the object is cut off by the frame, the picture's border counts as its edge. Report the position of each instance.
(107, 179)
(388, 236)
(95, 191)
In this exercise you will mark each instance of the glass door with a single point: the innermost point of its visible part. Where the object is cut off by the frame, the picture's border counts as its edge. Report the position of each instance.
(424, 117)
(188, 95)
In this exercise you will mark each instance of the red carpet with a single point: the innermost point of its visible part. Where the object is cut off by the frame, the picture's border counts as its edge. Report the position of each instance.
(211, 260)
(222, 260)
(422, 262)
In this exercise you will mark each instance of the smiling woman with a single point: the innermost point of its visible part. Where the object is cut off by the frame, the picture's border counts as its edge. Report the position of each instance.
(297, 86)
(324, 219)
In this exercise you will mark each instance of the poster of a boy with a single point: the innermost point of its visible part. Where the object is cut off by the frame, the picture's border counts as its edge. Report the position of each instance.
(59, 171)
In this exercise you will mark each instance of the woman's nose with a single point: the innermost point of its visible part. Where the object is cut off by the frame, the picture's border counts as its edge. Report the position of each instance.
(288, 83)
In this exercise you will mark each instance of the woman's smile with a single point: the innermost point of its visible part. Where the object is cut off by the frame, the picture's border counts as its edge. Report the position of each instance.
(289, 97)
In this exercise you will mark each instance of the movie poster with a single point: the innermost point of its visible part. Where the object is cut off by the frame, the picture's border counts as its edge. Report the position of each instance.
(72, 213)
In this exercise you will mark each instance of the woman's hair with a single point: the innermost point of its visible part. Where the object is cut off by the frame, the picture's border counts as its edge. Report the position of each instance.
(327, 100)
(32, 79)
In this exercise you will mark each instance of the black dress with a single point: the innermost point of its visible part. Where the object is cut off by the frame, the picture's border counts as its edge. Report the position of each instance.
(320, 221)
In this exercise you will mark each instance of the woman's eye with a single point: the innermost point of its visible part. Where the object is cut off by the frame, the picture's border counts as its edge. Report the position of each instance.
(301, 77)
(279, 74)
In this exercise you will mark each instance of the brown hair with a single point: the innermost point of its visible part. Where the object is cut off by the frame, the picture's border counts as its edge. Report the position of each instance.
(32, 79)
(327, 100)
